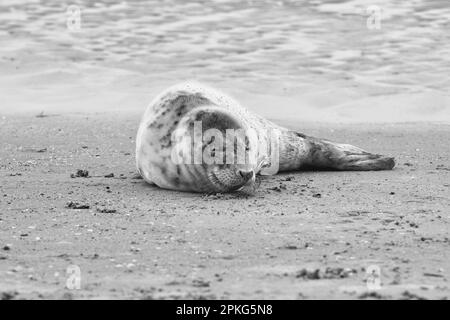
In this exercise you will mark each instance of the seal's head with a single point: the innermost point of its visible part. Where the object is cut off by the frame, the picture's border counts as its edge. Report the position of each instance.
(228, 148)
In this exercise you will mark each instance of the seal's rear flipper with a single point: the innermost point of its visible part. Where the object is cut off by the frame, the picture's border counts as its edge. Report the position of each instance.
(329, 155)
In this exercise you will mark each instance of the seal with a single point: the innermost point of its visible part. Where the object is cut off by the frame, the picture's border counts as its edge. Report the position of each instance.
(195, 138)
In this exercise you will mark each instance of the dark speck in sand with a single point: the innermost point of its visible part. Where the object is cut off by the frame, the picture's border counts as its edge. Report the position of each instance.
(76, 205)
(42, 115)
(289, 247)
(279, 188)
(406, 295)
(80, 174)
(8, 295)
(435, 275)
(328, 273)
(105, 210)
(32, 149)
(317, 195)
(413, 225)
(199, 283)
(15, 174)
(371, 295)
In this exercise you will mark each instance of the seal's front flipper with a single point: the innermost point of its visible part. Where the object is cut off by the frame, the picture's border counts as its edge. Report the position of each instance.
(329, 155)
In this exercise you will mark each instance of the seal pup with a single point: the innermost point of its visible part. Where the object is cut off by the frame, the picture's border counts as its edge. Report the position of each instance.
(194, 138)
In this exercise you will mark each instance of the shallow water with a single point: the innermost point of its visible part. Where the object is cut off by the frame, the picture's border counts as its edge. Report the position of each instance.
(309, 60)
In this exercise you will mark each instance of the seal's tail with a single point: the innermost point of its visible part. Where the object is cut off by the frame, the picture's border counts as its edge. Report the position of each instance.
(325, 154)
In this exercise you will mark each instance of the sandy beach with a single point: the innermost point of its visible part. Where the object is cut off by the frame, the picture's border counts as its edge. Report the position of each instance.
(133, 240)
(71, 99)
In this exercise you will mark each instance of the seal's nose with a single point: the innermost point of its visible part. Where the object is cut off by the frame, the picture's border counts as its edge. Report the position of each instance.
(246, 174)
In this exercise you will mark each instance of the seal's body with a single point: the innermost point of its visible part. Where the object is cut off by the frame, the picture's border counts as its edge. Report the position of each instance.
(191, 137)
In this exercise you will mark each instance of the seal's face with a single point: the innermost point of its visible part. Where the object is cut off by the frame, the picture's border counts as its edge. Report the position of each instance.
(226, 178)
(226, 149)
(236, 160)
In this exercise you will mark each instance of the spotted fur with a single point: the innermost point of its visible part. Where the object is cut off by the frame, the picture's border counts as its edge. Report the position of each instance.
(173, 114)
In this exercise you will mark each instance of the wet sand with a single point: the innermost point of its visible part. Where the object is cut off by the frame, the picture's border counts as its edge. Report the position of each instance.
(302, 235)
